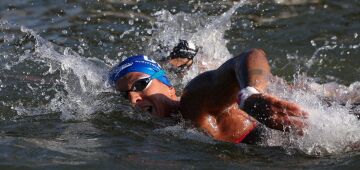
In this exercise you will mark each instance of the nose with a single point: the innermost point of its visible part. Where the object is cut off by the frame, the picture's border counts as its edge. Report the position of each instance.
(134, 97)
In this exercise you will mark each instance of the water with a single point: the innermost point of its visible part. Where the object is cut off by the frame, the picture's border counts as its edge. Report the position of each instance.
(57, 111)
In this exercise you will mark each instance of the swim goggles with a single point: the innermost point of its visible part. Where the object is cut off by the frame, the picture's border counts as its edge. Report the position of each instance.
(142, 84)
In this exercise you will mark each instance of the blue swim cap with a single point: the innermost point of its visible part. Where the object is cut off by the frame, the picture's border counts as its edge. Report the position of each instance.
(139, 63)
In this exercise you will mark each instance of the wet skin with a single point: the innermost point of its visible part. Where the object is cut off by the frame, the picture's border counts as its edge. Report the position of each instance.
(209, 100)
(211, 94)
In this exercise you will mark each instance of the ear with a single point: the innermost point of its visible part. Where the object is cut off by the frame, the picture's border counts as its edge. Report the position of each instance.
(172, 91)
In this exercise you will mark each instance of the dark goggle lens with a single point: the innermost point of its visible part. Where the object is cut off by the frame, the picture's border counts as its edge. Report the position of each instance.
(140, 85)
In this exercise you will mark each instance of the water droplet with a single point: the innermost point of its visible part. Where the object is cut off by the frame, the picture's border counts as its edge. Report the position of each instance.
(149, 31)
(81, 50)
(131, 22)
(313, 43)
(111, 38)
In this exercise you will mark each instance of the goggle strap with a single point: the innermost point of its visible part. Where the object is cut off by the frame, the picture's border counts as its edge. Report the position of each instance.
(157, 74)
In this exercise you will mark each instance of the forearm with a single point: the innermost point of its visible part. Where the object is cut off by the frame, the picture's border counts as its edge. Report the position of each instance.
(252, 69)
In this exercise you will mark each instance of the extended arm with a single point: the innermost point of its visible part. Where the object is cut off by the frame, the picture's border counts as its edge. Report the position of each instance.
(213, 92)
(253, 70)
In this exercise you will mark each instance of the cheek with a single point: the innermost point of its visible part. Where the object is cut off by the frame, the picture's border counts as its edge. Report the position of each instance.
(159, 88)
(161, 93)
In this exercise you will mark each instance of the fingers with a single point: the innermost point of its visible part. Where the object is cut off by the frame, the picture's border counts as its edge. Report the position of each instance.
(304, 114)
(280, 114)
(294, 110)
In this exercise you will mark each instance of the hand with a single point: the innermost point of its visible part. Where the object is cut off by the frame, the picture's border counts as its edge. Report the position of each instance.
(276, 113)
(180, 62)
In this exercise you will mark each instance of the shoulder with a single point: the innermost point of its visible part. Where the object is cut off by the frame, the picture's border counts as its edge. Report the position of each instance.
(192, 101)
(210, 92)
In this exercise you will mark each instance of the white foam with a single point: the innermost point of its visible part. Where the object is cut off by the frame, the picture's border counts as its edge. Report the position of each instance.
(331, 127)
(83, 79)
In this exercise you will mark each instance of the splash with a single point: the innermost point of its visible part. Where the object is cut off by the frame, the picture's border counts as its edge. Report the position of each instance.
(71, 84)
(83, 80)
(205, 31)
(332, 127)
(327, 46)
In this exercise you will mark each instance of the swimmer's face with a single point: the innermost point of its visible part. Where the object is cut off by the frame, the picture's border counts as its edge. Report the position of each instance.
(157, 98)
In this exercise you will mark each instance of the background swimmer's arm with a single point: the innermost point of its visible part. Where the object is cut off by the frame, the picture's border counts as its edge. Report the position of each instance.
(181, 62)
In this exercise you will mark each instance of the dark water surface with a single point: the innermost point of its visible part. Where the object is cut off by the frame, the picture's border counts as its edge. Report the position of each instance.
(57, 112)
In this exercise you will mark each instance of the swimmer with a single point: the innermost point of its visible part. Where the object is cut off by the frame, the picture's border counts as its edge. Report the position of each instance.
(229, 103)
